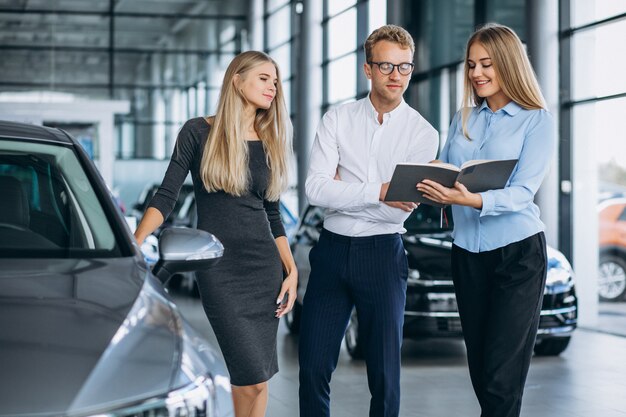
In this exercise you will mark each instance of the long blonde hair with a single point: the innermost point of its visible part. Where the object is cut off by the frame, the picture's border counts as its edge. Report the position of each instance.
(225, 157)
(511, 65)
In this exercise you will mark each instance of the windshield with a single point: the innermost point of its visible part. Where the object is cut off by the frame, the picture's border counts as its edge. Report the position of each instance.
(49, 207)
(427, 219)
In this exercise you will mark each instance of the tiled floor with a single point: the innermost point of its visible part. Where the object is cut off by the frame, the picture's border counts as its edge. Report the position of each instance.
(587, 380)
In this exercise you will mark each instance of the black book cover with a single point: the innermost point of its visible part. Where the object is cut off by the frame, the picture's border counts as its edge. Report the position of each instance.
(477, 176)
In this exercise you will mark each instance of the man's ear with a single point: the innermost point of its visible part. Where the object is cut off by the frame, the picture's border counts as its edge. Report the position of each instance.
(367, 70)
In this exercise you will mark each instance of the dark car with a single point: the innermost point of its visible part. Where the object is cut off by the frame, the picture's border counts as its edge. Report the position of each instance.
(174, 219)
(86, 328)
(185, 214)
(431, 309)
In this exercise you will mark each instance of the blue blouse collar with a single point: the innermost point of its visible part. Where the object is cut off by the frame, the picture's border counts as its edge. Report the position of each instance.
(512, 108)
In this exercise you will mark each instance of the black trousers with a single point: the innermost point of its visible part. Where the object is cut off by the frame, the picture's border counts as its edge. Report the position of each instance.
(368, 273)
(499, 295)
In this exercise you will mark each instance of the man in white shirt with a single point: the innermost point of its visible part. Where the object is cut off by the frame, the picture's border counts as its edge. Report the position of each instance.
(359, 260)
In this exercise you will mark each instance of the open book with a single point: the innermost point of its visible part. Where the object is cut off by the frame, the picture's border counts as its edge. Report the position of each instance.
(476, 175)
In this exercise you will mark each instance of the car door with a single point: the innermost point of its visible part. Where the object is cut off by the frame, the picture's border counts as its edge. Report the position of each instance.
(306, 237)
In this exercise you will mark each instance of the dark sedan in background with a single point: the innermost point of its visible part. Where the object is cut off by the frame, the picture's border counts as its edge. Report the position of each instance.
(86, 327)
(431, 309)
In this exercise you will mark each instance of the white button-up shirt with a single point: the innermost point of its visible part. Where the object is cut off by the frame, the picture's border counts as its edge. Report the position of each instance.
(352, 143)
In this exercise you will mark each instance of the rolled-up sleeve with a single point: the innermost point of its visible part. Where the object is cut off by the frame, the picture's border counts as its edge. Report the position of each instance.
(321, 187)
(533, 164)
(424, 149)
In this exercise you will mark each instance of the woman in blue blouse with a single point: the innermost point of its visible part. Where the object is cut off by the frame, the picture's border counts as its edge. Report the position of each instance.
(499, 259)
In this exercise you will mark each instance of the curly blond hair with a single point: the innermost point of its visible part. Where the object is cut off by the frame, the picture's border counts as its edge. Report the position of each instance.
(390, 33)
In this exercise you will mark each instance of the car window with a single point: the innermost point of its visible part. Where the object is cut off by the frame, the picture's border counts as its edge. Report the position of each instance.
(314, 217)
(427, 219)
(49, 207)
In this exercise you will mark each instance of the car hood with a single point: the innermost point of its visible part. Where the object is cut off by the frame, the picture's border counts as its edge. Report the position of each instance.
(72, 339)
(429, 253)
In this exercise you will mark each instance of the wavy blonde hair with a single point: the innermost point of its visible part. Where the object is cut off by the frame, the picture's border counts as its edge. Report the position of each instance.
(225, 157)
(511, 65)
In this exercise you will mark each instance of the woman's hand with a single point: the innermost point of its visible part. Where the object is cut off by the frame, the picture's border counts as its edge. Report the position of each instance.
(457, 195)
(151, 220)
(288, 289)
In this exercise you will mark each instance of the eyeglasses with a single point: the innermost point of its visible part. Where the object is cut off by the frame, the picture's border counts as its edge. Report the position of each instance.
(387, 68)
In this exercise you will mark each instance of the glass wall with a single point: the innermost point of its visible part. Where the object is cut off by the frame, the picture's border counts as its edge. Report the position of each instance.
(592, 35)
(346, 25)
(279, 40)
(340, 51)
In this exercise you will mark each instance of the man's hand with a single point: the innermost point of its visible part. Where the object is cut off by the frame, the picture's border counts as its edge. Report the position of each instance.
(383, 191)
(402, 205)
(406, 206)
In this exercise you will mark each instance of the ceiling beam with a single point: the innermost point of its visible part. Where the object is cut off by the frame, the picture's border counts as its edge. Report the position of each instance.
(105, 49)
(200, 16)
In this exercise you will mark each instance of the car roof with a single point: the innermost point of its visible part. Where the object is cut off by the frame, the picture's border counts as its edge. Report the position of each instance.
(15, 130)
(621, 201)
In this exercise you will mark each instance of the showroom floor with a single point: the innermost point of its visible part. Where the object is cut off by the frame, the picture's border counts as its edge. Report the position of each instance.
(587, 380)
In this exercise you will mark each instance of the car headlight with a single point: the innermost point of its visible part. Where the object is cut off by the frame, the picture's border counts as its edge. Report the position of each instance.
(559, 269)
(414, 277)
(195, 385)
(194, 400)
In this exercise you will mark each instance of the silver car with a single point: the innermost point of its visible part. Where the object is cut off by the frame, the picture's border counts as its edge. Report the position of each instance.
(85, 326)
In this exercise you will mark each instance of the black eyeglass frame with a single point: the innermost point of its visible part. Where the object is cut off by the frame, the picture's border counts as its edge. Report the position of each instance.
(393, 67)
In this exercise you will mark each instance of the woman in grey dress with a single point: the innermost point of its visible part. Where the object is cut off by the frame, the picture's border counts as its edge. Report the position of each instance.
(238, 164)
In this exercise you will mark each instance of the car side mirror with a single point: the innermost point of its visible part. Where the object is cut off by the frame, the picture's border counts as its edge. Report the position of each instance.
(183, 250)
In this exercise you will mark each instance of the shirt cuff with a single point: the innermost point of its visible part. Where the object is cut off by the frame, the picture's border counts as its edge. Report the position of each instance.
(488, 204)
(372, 193)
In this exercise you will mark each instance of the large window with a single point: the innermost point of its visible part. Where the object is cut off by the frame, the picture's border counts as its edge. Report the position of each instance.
(346, 25)
(340, 51)
(592, 115)
(279, 40)
(440, 29)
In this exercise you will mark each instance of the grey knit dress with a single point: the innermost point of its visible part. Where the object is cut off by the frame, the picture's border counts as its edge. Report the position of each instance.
(239, 293)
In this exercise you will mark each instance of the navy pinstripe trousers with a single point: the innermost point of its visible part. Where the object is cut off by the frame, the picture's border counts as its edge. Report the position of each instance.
(368, 273)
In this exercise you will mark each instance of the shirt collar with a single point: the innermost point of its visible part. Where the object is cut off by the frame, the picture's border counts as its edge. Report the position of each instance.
(374, 112)
(512, 108)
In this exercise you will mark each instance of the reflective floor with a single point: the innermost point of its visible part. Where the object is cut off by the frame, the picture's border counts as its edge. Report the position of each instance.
(587, 380)
(612, 318)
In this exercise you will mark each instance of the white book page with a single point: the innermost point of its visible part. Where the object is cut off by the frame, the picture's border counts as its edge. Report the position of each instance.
(474, 162)
(439, 164)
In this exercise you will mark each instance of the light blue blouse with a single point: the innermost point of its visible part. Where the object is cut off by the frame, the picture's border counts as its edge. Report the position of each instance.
(510, 214)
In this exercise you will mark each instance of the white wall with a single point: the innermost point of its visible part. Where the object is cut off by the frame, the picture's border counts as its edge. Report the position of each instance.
(99, 112)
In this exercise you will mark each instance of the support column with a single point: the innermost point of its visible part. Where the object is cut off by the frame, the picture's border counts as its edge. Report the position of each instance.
(395, 12)
(309, 88)
(543, 48)
(255, 25)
